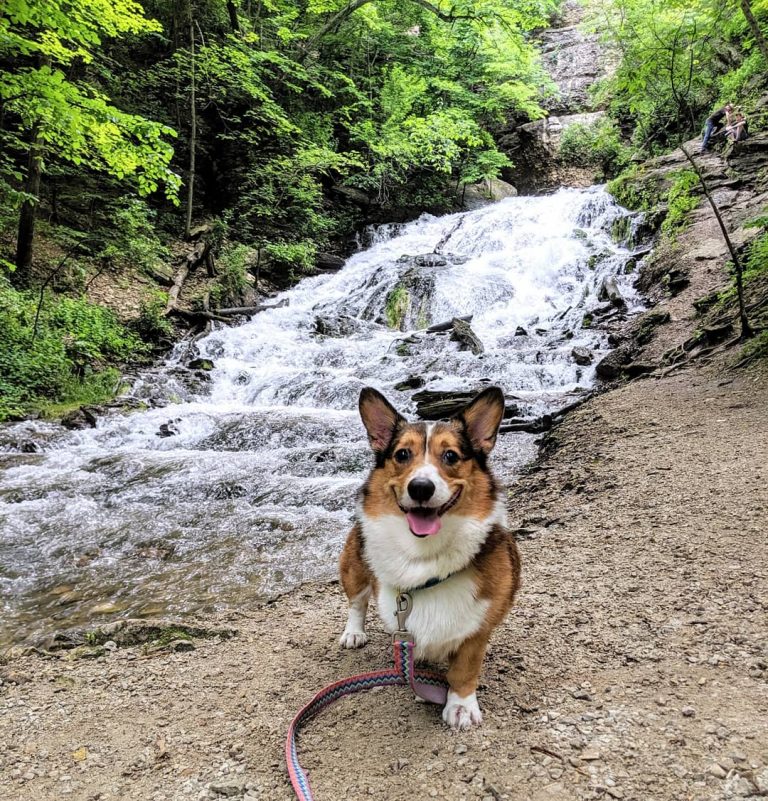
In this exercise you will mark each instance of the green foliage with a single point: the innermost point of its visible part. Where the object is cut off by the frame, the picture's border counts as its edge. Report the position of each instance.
(682, 198)
(295, 258)
(55, 116)
(65, 358)
(131, 239)
(152, 325)
(232, 267)
(677, 62)
(597, 145)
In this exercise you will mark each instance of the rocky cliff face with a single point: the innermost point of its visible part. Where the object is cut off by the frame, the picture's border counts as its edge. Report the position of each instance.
(575, 61)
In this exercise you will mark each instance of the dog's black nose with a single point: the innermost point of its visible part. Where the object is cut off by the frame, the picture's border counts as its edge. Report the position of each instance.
(421, 489)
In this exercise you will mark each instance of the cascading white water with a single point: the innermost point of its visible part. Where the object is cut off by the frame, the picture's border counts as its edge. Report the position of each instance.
(253, 490)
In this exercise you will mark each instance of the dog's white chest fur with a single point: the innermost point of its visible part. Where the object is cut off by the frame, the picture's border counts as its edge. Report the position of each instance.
(442, 616)
(445, 615)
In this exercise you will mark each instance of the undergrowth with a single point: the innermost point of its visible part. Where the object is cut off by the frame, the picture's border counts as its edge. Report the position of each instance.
(58, 353)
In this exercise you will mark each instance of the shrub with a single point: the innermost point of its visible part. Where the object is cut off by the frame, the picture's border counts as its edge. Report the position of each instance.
(681, 200)
(64, 357)
(152, 325)
(295, 257)
(232, 267)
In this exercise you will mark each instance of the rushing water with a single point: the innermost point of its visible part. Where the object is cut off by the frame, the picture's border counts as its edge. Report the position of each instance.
(230, 489)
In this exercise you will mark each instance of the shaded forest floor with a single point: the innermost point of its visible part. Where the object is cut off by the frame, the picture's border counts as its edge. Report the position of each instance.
(633, 666)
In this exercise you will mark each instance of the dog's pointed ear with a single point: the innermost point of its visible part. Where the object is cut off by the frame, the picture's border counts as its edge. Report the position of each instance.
(482, 418)
(380, 418)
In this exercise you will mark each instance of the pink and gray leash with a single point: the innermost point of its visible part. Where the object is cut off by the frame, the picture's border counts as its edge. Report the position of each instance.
(426, 684)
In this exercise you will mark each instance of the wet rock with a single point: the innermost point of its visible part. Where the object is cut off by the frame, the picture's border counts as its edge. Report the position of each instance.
(611, 367)
(328, 262)
(81, 418)
(201, 364)
(412, 382)
(520, 331)
(609, 290)
(338, 326)
(430, 260)
(466, 337)
(168, 429)
(582, 356)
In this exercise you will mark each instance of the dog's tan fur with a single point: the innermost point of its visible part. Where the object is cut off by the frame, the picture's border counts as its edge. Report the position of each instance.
(495, 567)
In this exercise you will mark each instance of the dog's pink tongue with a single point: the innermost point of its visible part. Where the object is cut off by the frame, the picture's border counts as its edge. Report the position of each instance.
(422, 525)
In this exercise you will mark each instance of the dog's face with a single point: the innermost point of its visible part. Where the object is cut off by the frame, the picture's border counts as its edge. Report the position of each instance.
(426, 471)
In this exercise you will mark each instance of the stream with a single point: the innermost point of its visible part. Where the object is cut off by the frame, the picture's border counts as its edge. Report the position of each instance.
(238, 483)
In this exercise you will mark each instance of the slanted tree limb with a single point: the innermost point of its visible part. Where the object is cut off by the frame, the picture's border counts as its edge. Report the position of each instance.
(746, 10)
(746, 328)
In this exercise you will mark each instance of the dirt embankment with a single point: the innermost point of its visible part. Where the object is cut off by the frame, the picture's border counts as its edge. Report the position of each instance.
(634, 665)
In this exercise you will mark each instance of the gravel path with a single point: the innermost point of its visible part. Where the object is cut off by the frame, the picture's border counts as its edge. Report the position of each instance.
(634, 666)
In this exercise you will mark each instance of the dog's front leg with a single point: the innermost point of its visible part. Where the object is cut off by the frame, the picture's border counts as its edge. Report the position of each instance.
(461, 709)
(358, 583)
(354, 635)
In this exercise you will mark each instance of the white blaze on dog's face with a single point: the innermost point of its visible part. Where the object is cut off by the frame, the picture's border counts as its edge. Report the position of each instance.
(425, 471)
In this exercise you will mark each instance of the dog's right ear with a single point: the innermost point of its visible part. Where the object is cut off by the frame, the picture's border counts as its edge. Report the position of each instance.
(380, 419)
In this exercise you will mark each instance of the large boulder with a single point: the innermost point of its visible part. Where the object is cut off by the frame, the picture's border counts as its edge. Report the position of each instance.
(477, 195)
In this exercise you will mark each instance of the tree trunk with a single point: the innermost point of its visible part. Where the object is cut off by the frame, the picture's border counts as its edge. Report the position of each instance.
(233, 20)
(193, 125)
(746, 9)
(746, 328)
(28, 213)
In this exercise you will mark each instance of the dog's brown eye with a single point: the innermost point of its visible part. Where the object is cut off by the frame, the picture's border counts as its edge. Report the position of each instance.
(403, 455)
(450, 457)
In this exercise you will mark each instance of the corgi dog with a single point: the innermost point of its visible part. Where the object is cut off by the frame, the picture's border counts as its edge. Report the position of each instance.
(431, 521)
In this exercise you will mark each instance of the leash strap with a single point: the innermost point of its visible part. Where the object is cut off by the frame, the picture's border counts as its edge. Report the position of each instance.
(427, 684)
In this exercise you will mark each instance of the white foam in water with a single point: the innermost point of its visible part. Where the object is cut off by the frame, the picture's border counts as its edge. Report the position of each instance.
(254, 490)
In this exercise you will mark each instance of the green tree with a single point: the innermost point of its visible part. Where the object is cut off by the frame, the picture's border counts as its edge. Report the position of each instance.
(54, 110)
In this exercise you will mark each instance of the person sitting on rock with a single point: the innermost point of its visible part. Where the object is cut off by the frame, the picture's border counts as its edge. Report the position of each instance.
(737, 131)
(715, 124)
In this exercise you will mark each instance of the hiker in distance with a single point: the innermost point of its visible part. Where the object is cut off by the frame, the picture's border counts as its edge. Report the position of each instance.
(738, 131)
(715, 123)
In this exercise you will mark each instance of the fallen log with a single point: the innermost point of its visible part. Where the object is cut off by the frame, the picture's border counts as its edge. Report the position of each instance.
(447, 325)
(202, 253)
(175, 290)
(235, 310)
(437, 405)
(466, 337)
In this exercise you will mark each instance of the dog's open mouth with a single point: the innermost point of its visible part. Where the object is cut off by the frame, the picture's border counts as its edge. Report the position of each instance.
(424, 521)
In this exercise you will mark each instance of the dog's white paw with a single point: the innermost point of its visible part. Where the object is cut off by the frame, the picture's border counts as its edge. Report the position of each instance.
(353, 638)
(462, 713)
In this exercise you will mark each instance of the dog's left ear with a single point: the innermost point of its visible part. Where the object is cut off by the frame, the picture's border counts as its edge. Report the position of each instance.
(380, 418)
(482, 418)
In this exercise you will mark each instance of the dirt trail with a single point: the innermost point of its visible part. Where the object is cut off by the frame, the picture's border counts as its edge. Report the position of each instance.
(634, 666)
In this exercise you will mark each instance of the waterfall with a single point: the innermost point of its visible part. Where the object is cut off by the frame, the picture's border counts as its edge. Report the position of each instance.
(239, 483)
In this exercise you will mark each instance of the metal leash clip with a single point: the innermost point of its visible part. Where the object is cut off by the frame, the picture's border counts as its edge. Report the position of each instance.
(403, 609)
